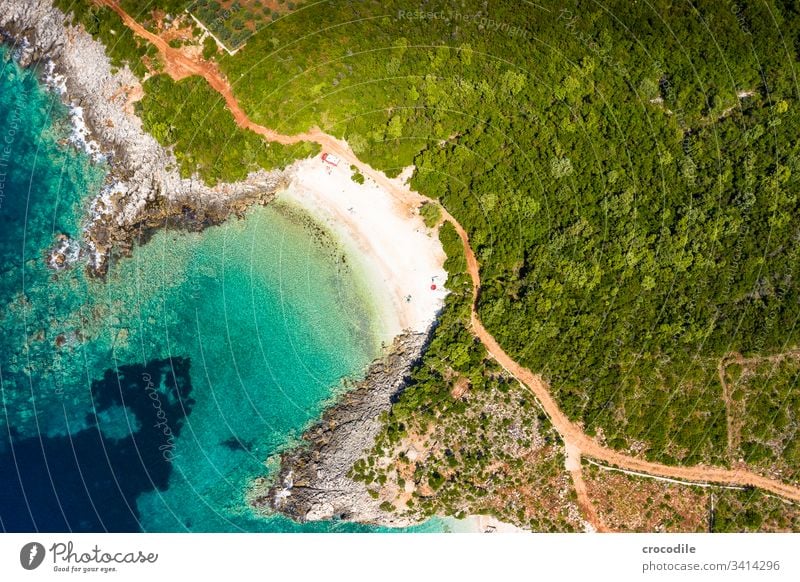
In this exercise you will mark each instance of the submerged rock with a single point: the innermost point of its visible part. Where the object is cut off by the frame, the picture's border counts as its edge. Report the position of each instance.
(64, 254)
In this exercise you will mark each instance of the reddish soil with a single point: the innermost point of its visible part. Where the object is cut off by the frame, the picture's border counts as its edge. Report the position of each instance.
(585, 503)
(180, 65)
(460, 387)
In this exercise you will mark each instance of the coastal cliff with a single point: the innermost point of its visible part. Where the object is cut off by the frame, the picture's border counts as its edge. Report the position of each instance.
(144, 190)
(312, 482)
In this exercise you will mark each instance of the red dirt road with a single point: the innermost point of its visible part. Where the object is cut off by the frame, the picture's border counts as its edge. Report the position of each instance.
(179, 65)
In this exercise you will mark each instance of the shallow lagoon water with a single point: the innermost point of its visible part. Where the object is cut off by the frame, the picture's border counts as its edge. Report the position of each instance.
(150, 400)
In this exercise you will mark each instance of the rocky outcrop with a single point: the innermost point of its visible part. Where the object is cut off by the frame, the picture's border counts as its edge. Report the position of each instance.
(34, 27)
(145, 190)
(312, 483)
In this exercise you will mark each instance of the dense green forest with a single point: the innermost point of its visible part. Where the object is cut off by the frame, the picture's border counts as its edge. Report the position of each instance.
(628, 176)
(122, 45)
(191, 117)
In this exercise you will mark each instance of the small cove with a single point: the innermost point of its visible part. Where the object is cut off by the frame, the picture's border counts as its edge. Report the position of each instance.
(149, 401)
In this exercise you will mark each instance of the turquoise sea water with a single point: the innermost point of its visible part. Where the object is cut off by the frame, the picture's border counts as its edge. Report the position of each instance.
(149, 401)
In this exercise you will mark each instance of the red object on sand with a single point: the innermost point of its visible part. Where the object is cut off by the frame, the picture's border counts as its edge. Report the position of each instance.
(331, 159)
(433, 287)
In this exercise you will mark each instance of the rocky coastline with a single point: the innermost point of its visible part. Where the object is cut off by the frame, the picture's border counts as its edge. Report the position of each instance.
(143, 193)
(144, 190)
(312, 482)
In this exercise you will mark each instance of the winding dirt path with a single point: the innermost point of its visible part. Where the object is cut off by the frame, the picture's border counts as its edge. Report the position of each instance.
(179, 66)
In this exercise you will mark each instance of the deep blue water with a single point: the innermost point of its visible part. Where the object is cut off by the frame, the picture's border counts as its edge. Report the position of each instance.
(149, 401)
(90, 480)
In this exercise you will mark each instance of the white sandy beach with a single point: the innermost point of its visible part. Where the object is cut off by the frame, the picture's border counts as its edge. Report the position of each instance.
(398, 254)
(481, 524)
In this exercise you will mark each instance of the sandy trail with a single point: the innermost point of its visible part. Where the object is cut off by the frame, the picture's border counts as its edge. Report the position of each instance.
(573, 465)
(179, 65)
(585, 504)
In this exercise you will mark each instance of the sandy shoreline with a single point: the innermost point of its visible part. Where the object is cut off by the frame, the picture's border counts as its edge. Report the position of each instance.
(400, 263)
(387, 240)
(480, 524)
(377, 224)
